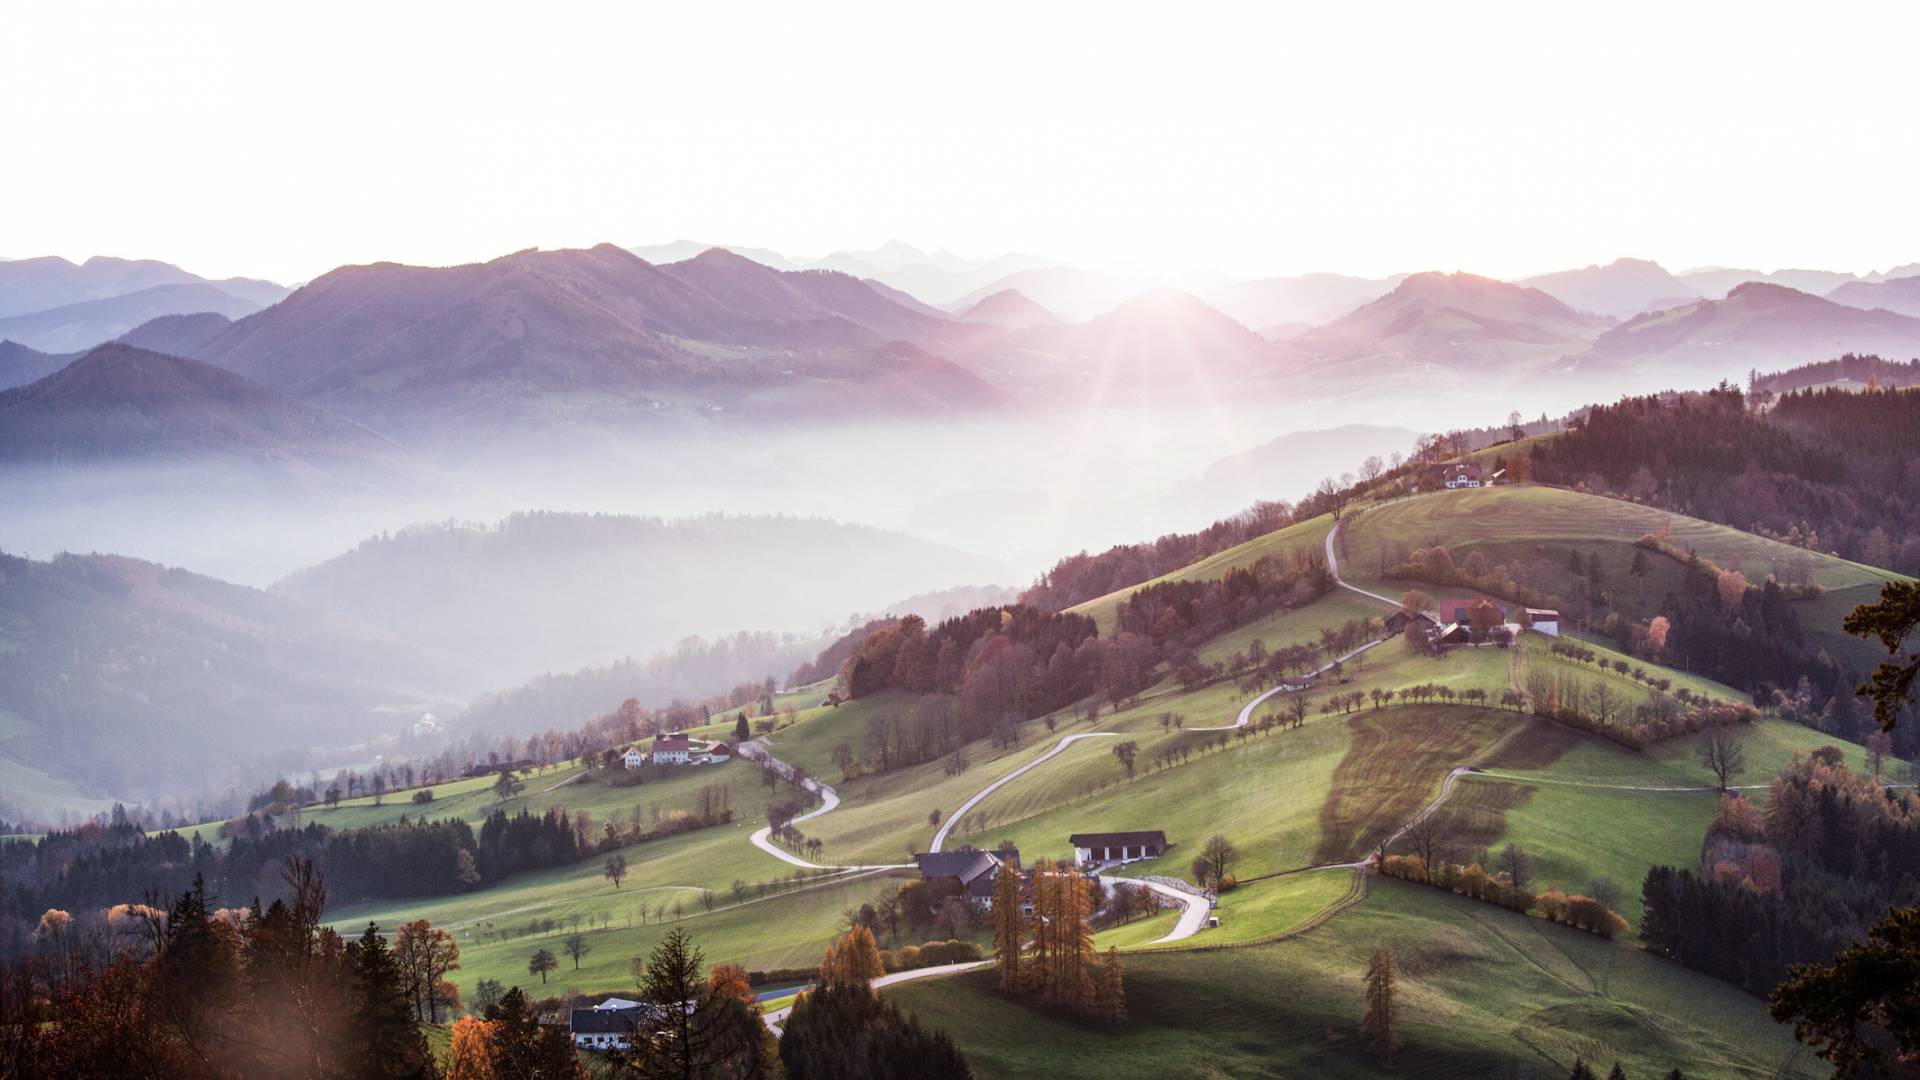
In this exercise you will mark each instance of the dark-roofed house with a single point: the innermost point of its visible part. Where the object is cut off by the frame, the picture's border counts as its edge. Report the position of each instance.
(1123, 847)
(602, 1028)
(1461, 610)
(1403, 618)
(975, 871)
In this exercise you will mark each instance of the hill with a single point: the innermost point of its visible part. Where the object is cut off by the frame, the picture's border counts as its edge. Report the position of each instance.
(1900, 295)
(1757, 325)
(1073, 294)
(1621, 289)
(1717, 282)
(1158, 343)
(1457, 321)
(119, 403)
(1009, 310)
(554, 592)
(538, 337)
(1309, 298)
(20, 365)
(176, 335)
(86, 323)
(140, 681)
(30, 285)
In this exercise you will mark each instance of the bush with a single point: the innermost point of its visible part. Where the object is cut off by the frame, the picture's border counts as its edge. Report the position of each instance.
(424, 795)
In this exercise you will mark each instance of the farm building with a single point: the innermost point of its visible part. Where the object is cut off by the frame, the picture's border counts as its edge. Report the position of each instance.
(975, 871)
(1461, 610)
(677, 749)
(634, 758)
(1400, 620)
(1545, 620)
(1123, 847)
(609, 1025)
(1460, 476)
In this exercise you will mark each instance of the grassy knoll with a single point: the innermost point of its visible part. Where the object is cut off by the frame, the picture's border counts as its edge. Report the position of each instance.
(1138, 932)
(28, 786)
(1528, 522)
(1307, 536)
(1264, 910)
(1577, 828)
(1483, 992)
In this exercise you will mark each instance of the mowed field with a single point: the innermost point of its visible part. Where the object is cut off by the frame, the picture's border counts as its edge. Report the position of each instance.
(1482, 992)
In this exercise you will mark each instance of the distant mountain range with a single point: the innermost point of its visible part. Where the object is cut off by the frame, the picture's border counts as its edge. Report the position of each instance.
(1458, 321)
(1757, 325)
(54, 305)
(1900, 295)
(1621, 289)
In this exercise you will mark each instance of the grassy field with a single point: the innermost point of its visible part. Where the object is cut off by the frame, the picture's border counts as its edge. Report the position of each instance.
(1527, 522)
(28, 786)
(1395, 766)
(1483, 992)
(1264, 910)
(1301, 536)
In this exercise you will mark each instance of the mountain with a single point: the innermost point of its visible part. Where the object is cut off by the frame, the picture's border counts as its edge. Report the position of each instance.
(1757, 326)
(30, 285)
(122, 403)
(1074, 294)
(682, 250)
(1310, 298)
(940, 278)
(1715, 282)
(138, 680)
(556, 592)
(1459, 321)
(1900, 295)
(546, 339)
(176, 335)
(1622, 288)
(20, 365)
(87, 323)
(1009, 310)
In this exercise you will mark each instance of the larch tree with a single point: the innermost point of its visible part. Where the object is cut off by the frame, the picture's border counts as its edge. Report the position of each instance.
(1009, 929)
(1377, 1025)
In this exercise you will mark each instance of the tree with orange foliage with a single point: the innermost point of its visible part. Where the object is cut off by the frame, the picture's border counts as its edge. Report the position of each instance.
(852, 960)
(471, 1055)
(731, 980)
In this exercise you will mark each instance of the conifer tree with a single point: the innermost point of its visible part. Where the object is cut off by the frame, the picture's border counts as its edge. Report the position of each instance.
(1009, 933)
(1580, 1071)
(1112, 989)
(1377, 1026)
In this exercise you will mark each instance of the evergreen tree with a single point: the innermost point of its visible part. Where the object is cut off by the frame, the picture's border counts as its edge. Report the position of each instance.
(698, 1036)
(1580, 1071)
(741, 733)
(386, 1031)
(1616, 1073)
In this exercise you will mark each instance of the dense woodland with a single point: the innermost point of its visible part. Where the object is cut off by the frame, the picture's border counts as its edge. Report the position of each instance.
(1794, 884)
(1825, 469)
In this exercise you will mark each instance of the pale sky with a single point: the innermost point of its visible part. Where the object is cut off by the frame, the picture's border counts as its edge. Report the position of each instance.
(281, 140)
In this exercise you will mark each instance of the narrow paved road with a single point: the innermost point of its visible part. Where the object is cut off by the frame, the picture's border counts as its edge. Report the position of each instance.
(940, 837)
(762, 837)
(778, 1016)
(1333, 567)
(1193, 909)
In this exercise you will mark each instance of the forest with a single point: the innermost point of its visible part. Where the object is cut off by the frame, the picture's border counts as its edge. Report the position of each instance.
(1825, 469)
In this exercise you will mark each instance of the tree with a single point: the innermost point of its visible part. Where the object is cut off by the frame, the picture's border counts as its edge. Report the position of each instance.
(1125, 751)
(741, 733)
(852, 960)
(1517, 865)
(705, 1033)
(385, 1024)
(1616, 1073)
(1892, 621)
(487, 993)
(1879, 749)
(1722, 755)
(470, 1054)
(541, 963)
(615, 869)
(1009, 929)
(1849, 1011)
(836, 1033)
(508, 786)
(425, 955)
(576, 946)
(1377, 1025)
(1516, 428)
(1372, 468)
(1416, 601)
(1110, 990)
(1581, 1071)
(1220, 855)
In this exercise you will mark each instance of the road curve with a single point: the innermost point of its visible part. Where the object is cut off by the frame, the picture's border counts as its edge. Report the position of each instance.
(779, 1016)
(1193, 913)
(1333, 567)
(940, 837)
(763, 837)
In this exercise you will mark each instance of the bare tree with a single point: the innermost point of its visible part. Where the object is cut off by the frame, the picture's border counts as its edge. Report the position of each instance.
(1722, 755)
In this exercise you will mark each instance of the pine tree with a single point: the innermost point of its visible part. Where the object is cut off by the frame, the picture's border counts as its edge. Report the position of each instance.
(1377, 1026)
(1580, 1071)
(385, 1024)
(1009, 933)
(1617, 1073)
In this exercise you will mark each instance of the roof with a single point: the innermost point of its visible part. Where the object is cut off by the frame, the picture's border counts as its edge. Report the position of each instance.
(719, 748)
(618, 1003)
(680, 742)
(1114, 839)
(603, 1021)
(1542, 612)
(965, 863)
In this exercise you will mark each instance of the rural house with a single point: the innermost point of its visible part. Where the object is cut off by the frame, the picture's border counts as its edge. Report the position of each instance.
(677, 749)
(1123, 847)
(609, 1025)
(1400, 620)
(634, 758)
(1545, 620)
(1461, 610)
(1455, 475)
(975, 871)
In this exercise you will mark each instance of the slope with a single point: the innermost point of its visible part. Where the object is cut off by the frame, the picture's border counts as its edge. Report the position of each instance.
(87, 323)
